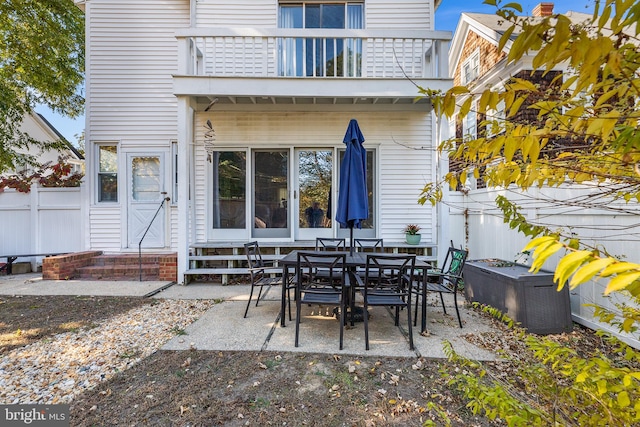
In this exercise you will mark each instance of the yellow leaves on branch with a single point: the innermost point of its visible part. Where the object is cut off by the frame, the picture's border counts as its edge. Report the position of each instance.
(603, 126)
(580, 266)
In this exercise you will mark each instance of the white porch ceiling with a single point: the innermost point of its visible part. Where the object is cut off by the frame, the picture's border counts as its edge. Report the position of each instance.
(316, 94)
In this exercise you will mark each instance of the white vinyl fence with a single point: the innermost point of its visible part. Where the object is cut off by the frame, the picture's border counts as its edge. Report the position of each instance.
(474, 222)
(45, 220)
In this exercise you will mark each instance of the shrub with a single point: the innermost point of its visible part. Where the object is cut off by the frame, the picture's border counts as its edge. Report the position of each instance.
(56, 175)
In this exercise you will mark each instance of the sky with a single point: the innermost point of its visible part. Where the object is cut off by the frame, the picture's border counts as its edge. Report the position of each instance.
(446, 18)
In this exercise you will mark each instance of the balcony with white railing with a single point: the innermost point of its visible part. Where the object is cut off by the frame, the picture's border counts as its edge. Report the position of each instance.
(316, 61)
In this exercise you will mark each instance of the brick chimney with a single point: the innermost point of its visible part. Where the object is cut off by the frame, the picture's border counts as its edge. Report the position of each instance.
(543, 9)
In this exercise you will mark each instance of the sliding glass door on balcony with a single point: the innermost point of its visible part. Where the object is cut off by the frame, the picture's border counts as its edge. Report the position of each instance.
(320, 56)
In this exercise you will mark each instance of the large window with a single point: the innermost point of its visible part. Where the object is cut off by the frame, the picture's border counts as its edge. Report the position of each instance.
(316, 56)
(107, 173)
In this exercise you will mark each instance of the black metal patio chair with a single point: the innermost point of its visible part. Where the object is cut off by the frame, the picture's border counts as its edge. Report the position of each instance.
(368, 246)
(447, 279)
(330, 244)
(327, 290)
(263, 274)
(387, 283)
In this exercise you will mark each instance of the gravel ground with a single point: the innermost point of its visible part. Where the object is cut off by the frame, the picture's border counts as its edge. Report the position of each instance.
(59, 367)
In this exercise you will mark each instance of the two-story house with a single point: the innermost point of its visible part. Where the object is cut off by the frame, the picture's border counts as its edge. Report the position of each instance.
(236, 110)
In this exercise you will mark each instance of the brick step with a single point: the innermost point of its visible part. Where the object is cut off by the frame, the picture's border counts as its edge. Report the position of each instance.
(119, 272)
(126, 259)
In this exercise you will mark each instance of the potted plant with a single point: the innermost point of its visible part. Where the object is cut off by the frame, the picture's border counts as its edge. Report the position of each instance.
(412, 234)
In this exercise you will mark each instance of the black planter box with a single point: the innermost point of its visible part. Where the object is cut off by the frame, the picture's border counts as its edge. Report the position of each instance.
(530, 299)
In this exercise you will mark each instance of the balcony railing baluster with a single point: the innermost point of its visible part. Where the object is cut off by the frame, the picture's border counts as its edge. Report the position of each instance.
(233, 52)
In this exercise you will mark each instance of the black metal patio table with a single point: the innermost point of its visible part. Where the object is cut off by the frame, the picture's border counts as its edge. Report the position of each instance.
(290, 260)
(352, 261)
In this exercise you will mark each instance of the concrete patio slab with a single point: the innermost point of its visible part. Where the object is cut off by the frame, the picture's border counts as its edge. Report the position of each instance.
(32, 284)
(223, 327)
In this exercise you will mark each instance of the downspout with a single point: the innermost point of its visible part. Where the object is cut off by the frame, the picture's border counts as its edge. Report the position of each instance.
(442, 166)
(184, 178)
(193, 8)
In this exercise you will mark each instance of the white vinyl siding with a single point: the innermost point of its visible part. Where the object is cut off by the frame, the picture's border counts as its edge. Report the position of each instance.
(404, 164)
(405, 14)
(238, 13)
(132, 55)
(105, 229)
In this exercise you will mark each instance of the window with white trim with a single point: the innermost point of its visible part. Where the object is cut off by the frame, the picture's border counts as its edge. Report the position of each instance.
(107, 172)
(470, 125)
(470, 68)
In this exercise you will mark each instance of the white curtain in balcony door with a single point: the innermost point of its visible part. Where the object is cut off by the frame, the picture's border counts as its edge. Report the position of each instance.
(290, 49)
(354, 46)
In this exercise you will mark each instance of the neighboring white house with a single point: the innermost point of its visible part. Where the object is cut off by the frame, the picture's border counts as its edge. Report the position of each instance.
(278, 81)
(39, 128)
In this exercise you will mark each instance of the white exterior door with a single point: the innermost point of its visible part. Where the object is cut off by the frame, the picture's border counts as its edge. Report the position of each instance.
(145, 192)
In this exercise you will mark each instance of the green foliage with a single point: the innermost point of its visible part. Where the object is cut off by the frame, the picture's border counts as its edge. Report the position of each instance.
(585, 132)
(585, 128)
(487, 397)
(41, 62)
(562, 387)
(517, 221)
(315, 180)
(412, 229)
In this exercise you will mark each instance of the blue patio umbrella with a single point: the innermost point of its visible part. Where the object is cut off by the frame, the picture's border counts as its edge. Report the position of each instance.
(353, 198)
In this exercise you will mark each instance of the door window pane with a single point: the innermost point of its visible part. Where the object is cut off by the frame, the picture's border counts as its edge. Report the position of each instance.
(145, 179)
(271, 193)
(229, 189)
(314, 175)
